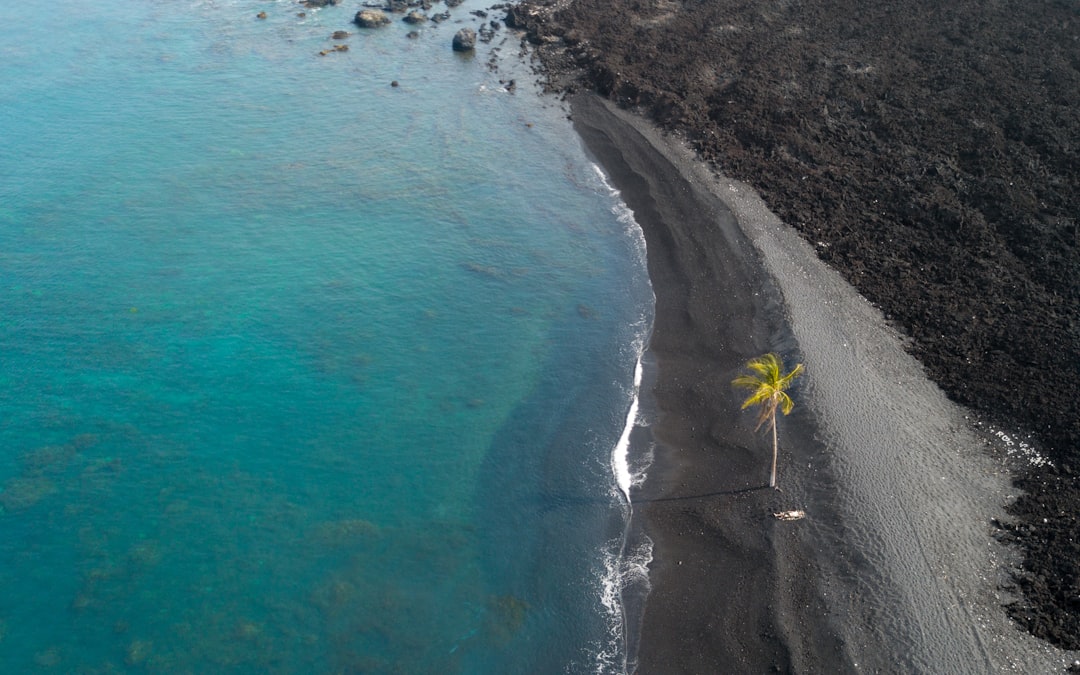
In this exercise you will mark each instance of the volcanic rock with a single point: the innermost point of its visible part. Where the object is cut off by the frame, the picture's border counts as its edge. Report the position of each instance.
(465, 40)
(371, 18)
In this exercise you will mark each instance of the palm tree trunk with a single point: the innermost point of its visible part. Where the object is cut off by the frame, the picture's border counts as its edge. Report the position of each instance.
(772, 478)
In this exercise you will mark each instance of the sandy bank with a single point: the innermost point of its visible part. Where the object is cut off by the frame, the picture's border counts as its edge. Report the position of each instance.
(895, 568)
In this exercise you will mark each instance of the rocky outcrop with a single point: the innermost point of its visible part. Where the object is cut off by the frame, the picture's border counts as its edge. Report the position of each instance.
(371, 18)
(465, 40)
(931, 162)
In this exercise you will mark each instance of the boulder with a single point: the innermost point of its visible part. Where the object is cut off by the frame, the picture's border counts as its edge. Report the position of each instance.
(465, 40)
(340, 34)
(314, 4)
(518, 17)
(371, 18)
(414, 17)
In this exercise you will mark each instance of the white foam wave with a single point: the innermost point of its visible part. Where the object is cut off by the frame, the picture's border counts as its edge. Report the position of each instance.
(625, 564)
(602, 177)
(623, 214)
(623, 571)
(620, 463)
(639, 468)
(621, 211)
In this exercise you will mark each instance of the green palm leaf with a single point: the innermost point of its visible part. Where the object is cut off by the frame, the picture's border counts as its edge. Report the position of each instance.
(767, 389)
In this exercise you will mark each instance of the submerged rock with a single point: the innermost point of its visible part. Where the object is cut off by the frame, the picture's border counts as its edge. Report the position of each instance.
(22, 493)
(138, 652)
(348, 532)
(335, 48)
(49, 459)
(465, 40)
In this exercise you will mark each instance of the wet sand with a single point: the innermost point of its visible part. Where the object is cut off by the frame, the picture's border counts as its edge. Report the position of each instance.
(894, 568)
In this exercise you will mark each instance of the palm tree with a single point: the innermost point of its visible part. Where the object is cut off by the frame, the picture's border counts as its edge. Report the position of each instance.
(767, 387)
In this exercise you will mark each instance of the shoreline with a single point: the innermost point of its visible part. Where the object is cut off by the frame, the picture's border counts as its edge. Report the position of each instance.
(891, 568)
(927, 162)
(672, 325)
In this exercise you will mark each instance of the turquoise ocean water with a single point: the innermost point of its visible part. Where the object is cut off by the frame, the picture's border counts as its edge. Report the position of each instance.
(300, 372)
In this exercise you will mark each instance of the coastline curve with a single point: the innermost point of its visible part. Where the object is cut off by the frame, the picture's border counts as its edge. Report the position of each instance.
(895, 564)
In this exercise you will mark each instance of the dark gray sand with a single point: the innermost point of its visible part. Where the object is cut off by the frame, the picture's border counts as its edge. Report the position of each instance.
(894, 568)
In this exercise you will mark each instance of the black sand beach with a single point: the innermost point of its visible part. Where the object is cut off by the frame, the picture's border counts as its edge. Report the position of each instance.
(894, 568)
(931, 163)
(706, 511)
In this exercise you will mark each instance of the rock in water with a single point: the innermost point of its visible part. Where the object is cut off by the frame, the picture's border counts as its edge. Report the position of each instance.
(465, 40)
(371, 18)
(414, 17)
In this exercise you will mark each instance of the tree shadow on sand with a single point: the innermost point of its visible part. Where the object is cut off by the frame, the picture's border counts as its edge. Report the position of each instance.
(720, 493)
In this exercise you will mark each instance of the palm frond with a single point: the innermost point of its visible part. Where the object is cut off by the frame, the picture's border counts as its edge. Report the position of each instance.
(785, 381)
(786, 404)
(746, 382)
(767, 385)
(767, 366)
(760, 396)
